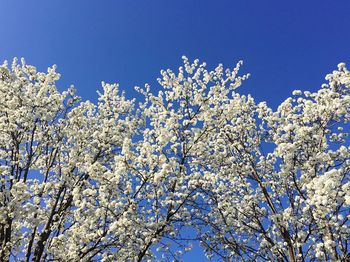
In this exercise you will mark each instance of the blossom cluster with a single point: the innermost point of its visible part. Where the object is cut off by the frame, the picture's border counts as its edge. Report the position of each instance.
(120, 181)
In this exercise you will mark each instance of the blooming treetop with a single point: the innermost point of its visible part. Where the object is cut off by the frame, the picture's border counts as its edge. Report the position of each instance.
(117, 181)
(292, 203)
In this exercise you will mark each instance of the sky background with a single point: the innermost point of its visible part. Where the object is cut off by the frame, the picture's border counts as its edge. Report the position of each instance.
(285, 45)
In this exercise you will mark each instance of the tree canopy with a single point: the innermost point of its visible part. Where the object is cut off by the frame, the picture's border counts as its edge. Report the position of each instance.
(126, 180)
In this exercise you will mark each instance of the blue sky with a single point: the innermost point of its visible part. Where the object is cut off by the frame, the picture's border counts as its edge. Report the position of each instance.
(286, 45)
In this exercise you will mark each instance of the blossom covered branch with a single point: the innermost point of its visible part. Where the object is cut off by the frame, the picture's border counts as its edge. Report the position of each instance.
(117, 181)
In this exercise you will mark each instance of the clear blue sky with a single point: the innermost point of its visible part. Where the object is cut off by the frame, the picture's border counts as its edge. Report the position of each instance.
(286, 45)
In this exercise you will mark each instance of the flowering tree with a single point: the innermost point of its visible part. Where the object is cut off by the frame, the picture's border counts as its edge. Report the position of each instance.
(114, 180)
(291, 204)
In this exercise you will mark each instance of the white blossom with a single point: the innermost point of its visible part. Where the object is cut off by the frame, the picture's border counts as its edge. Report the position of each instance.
(114, 180)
